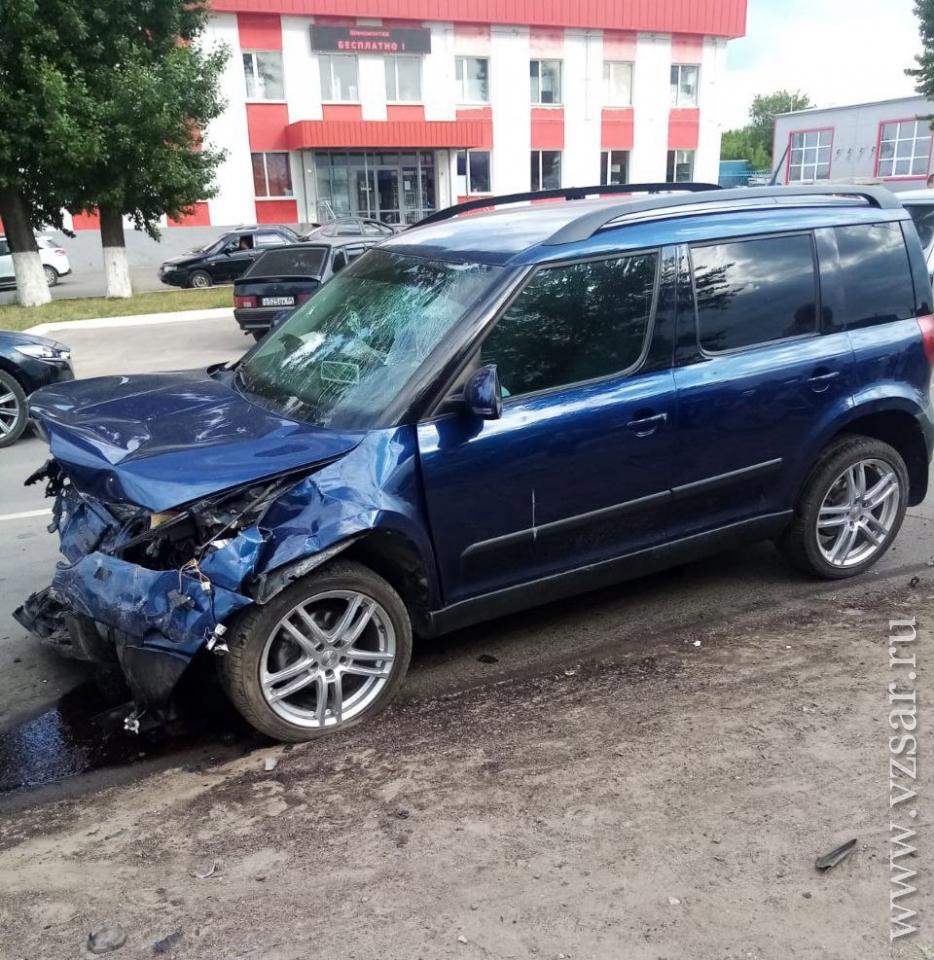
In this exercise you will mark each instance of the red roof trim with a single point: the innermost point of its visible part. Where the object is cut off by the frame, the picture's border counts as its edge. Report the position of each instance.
(440, 134)
(722, 18)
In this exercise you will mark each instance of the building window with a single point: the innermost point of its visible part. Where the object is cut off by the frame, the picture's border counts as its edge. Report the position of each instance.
(272, 175)
(338, 76)
(810, 156)
(546, 169)
(904, 148)
(545, 81)
(263, 71)
(403, 79)
(680, 166)
(614, 166)
(473, 172)
(473, 79)
(617, 84)
(684, 85)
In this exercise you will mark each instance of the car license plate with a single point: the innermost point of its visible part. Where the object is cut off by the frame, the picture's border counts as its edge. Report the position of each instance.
(278, 301)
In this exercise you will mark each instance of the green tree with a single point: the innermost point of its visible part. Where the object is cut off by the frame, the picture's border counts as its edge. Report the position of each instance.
(156, 89)
(923, 73)
(47, 127)
(754, 141)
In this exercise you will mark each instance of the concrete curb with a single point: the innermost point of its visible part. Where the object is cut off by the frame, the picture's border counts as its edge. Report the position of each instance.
(141, 320)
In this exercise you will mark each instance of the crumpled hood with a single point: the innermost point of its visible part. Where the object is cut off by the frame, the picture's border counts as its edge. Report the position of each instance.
(163, 440)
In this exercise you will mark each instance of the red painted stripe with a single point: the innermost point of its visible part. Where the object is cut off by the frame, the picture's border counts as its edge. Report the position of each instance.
(346, 112)
(267, 123)
(683, 128)
(405, 113)
(547, 128)
(86, 221)
(724, 18)
(687, 49)
(200, 216)
(483, 116)
(276, 211)
(308, 134)
(617, 129)
(259, 31)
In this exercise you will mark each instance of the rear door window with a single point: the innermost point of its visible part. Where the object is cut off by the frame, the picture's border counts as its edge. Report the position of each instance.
(923, 216)
(270, 240)
(574, 323)
(876, 277)
(750, 292)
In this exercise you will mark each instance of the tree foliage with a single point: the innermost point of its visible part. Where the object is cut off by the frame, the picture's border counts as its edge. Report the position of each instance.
(754, 141)
(923, 73)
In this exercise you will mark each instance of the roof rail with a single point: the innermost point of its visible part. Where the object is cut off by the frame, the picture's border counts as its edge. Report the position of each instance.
(565, 193)
(589, 223)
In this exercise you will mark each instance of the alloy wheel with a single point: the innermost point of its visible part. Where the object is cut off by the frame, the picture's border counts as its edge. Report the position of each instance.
(328, 659)
(859, 513)
(10, 410)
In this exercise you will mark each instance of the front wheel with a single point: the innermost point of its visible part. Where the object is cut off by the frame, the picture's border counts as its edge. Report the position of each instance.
(13, 411)
(850, 510)
(329, 651)
(51, 275)
(200, 280)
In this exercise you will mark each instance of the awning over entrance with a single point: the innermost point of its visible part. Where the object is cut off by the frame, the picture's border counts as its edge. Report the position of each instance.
(396, 134)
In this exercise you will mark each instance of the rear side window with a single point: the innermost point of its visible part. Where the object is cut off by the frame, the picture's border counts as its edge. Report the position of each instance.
(923, 216)
(289, 262)
(270, 240)
(574, 323)
(4, 248)
(876, 277)
(755, 291)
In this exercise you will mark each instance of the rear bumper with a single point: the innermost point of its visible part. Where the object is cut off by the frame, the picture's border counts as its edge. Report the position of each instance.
(257, 318)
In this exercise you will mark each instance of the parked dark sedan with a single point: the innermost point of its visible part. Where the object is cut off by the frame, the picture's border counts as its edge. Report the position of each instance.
(26, 363)
(280, 280)
(353, 227)
(224, 260)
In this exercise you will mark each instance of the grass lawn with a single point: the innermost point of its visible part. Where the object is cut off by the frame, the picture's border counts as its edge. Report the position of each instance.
(21, 318)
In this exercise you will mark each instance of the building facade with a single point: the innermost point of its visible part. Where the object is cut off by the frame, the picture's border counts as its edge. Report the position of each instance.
(889, 141)
(394, 108)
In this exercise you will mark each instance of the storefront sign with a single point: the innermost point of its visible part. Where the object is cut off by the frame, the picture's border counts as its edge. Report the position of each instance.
(370, 40)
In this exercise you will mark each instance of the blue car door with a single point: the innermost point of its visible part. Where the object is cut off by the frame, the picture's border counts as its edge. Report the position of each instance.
(763, 365)
(577, 469)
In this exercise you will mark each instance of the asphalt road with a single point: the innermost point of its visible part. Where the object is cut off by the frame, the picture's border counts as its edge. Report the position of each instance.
(617, 622)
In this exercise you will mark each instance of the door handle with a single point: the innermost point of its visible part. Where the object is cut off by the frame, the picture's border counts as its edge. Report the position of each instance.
(822, 379)
(646, 426)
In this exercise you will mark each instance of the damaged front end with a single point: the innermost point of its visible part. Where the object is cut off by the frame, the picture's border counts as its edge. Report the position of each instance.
(146, 590)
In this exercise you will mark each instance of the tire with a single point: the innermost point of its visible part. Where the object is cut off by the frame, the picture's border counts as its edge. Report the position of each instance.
(257, 641)
(829, 498)
(14, 414)
(200, 280)
(51, 275)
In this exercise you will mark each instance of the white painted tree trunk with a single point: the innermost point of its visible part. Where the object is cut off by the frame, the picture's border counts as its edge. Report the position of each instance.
(32, 290)
(117, 273)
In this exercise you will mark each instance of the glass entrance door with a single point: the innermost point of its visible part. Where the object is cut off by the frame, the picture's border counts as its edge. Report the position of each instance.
(389, 195)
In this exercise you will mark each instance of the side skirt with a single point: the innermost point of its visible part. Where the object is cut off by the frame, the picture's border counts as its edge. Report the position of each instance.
(603, 574)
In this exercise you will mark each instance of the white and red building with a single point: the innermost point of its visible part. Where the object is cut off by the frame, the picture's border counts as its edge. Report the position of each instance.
(393, 108)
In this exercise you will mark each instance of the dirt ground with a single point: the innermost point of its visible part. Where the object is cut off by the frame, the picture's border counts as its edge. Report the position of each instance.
(668, 805)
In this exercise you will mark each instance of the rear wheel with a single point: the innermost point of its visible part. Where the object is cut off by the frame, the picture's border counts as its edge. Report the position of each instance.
(326, 653)
(13, 412)
(200, 280)
(51, 275)
(850, 510)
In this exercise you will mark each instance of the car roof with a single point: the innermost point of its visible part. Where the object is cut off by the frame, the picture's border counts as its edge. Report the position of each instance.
(914, 196)
(542, 231)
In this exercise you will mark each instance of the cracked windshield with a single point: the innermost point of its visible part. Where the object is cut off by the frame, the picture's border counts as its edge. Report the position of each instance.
(344, 357)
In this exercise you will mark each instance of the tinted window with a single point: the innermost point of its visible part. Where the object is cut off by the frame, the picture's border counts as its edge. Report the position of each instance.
(371, 229)
(754, 291)
(574, 323)
(4, 248)
(876, 277)
(923, 216)
(289, 262)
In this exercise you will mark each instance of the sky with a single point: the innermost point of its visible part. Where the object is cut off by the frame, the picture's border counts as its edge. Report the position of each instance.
(836, 51)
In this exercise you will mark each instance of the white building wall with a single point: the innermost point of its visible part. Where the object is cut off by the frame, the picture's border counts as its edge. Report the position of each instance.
(650, 99)
(234, 201)
(713, 65)
(300, 75)
(438, 86)
(583, 104)
(512, 116)
(371, 75)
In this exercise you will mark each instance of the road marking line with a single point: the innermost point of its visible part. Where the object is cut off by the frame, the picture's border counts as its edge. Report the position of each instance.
(26, 514)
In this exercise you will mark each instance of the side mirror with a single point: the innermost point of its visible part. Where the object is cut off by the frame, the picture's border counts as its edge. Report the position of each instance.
(483, 393)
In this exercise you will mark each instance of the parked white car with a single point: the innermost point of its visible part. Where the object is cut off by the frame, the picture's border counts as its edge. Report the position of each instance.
(54, 261)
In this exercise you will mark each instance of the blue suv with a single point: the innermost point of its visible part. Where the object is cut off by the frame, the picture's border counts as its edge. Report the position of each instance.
(485, 413)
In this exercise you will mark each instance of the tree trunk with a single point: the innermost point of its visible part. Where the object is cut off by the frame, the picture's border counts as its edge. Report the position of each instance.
(116, 266)
(32, 289)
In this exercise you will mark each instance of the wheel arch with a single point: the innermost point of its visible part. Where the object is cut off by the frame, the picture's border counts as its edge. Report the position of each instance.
(7, 366)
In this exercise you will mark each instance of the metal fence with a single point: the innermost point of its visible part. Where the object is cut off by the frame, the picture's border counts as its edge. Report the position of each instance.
(748, 178)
